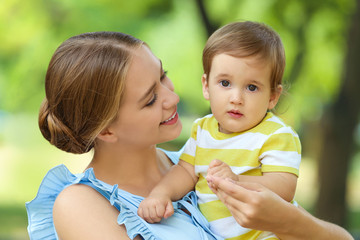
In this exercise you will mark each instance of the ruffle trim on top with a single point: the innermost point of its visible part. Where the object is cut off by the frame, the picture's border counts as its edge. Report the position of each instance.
(189, 202)
(41, 225)
(40, 216)
(128, 214)
(133, 224)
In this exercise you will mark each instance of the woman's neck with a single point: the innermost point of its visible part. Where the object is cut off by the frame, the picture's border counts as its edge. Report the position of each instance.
(134, 170)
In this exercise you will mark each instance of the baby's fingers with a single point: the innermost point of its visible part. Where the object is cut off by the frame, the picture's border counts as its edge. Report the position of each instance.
(140, 212)
(215, 163)
(156, 213)
(215, 166)
(143, 212)
(147, 211)
(169, 210)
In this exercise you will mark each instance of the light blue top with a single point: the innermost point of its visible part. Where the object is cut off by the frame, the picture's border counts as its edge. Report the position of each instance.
(179, 226)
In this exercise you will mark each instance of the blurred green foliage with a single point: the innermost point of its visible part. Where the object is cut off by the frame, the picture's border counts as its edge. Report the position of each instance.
(314, 34)
(314, 30)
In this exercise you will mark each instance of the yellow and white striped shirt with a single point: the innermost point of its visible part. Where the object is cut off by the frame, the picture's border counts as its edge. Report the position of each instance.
(271, 146)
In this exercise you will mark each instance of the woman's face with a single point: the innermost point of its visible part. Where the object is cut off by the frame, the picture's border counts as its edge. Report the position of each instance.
(148, 114)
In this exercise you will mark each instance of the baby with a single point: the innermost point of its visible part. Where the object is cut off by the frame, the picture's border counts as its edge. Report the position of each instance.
(243, 68)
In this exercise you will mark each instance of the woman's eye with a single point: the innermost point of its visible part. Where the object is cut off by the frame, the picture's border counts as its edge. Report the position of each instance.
(225, 83)
(153, 100)
(163, 75)
(252, 88)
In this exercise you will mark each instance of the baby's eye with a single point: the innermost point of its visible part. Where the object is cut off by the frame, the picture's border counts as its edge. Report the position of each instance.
(225, 83)
(252, 88)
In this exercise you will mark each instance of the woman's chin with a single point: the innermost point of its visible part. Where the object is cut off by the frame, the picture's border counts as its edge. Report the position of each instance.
(173, 133)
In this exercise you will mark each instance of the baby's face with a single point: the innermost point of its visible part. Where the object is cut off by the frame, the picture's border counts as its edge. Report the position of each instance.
(239, 92)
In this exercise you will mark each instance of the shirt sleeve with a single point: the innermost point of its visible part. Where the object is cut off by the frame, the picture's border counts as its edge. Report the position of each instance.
(188, 154)
(281, 152)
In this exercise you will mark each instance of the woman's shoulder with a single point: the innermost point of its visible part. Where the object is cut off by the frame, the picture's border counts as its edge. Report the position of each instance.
(75, 197)
(64, 194)
(82, 212)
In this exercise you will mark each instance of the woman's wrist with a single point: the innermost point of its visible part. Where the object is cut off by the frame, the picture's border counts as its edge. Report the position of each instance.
(298, 224)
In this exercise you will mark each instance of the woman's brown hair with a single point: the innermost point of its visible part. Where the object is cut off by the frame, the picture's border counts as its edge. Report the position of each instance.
(84, 85)
(245, 39)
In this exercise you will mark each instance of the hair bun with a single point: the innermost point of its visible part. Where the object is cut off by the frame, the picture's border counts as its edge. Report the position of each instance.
(59, 134)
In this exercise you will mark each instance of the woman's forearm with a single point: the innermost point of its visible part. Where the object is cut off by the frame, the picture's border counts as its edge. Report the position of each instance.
(302, 225)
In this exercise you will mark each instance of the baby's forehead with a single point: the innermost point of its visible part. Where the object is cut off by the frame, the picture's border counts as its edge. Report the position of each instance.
(254, 59)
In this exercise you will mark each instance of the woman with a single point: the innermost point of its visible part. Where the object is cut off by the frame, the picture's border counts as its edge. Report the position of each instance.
(106, 91)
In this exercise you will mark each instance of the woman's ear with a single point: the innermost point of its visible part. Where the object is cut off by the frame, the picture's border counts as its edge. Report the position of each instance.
(274, 97)
(205, 86)
(107, 135)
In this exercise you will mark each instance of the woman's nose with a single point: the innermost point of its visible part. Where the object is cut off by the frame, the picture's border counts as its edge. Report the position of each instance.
(170, 97)
(169, 84)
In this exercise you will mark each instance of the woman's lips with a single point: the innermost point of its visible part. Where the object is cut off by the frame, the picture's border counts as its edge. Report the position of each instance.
(173, 119)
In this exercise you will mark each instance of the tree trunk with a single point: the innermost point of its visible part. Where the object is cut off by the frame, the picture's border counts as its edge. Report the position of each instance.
(339, 123)
(208, 24)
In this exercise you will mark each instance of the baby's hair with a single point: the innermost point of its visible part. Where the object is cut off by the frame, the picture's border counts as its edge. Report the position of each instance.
(84, 86)
(247, 39)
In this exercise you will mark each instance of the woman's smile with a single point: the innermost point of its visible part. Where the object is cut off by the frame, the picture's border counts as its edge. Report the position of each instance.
(172, 120)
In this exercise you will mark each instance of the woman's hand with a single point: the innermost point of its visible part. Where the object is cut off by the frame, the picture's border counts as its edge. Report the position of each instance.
(256, 207)
(252, 205)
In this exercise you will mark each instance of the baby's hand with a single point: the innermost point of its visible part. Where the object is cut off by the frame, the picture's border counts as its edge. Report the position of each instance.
(219, 169)
(153, 209)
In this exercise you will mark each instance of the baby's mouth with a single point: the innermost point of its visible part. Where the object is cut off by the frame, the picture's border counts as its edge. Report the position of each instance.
(235, 113)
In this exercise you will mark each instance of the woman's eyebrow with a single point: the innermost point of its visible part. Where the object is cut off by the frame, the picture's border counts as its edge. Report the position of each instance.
(161, 68)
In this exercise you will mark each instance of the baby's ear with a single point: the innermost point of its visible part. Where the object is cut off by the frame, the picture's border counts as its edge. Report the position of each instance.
(274, 97)
(205, 86)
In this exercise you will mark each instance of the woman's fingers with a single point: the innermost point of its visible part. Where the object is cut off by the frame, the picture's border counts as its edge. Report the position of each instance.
(251, 204)
(229, 187)
(240, 189)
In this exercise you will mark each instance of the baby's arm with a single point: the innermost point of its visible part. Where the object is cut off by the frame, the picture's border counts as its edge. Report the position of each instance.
(282, 183)
(180, 180)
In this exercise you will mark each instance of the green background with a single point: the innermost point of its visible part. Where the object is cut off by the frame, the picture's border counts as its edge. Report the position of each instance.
(31, 30)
